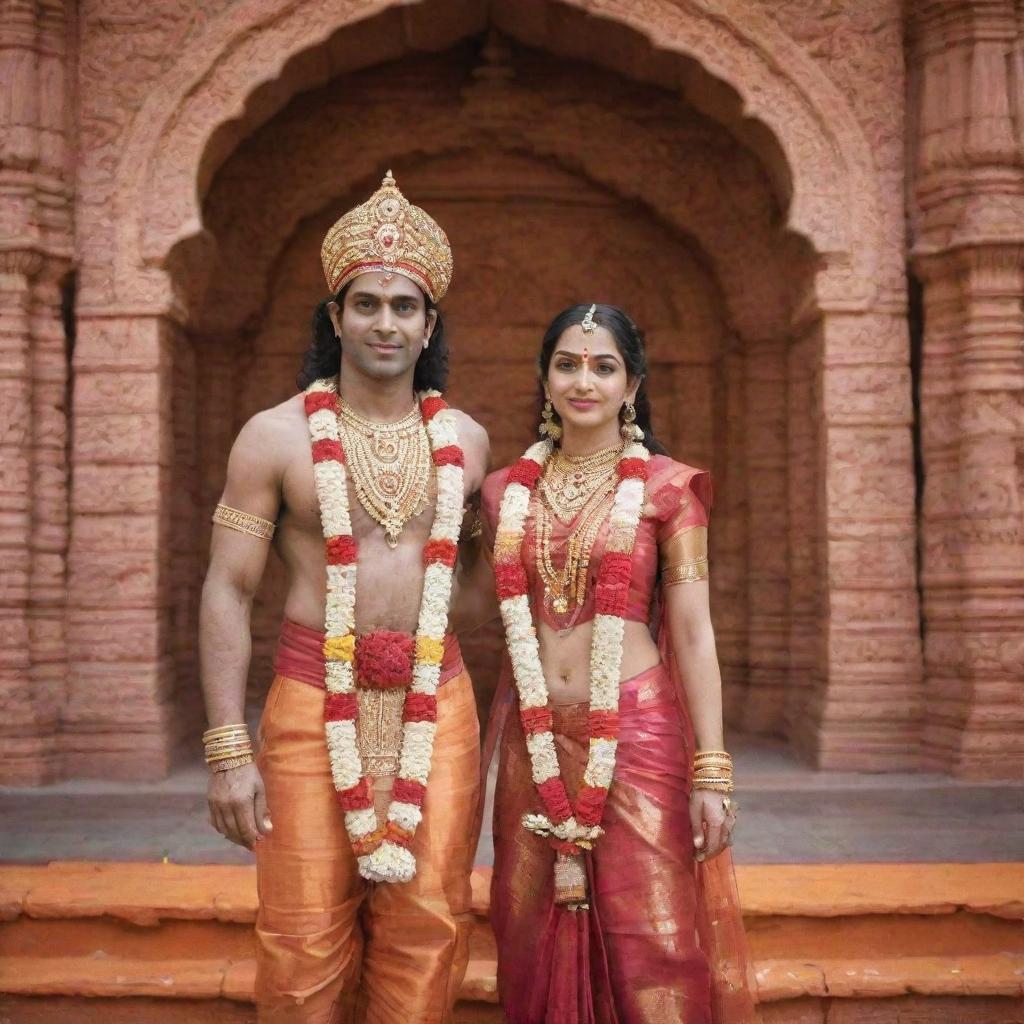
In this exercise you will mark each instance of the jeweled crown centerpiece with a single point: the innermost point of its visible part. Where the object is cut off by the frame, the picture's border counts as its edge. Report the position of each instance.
(387, 234)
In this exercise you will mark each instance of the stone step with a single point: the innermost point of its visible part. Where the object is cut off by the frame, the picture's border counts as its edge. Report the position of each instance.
(997, 974)
(107, 932)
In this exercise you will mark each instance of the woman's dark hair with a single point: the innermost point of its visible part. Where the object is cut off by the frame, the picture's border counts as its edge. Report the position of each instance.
(629, 340)
(323, 357)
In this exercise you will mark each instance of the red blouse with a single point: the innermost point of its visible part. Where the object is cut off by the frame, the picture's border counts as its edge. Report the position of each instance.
(678, 497)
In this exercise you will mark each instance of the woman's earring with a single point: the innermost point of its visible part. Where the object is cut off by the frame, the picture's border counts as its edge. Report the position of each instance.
(629, 430)
(548, 425)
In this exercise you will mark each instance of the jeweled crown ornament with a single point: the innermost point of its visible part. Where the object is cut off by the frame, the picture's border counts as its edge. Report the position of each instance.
(588, 323)
(388, 235)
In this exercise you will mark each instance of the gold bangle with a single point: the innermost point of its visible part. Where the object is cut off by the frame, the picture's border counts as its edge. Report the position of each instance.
(226, 741)
(225, 730)
(221, 747)
(243, 522)
(235, 762)
(230, 741)
(714, 787)
(229, 755)
(228, 737)
(220, 741)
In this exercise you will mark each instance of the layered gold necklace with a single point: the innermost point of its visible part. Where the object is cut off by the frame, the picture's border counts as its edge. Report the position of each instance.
(390, 467)
(580, 488)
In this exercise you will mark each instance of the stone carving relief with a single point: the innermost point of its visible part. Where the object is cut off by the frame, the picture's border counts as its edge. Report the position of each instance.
(226, 60)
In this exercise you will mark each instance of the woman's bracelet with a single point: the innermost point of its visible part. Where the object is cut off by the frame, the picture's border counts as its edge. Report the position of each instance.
(712, 770)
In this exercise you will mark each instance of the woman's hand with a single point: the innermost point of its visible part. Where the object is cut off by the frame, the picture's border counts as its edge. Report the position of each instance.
(238, 805)
(713, 817)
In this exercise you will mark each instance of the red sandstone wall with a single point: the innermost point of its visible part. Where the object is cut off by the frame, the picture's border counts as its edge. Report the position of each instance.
(806, 426)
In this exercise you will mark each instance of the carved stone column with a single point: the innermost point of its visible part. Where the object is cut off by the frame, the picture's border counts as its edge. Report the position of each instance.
(967, 203)
(855, 610)
(24, 738)
(768, 533)
(121, 719)
(35, 243)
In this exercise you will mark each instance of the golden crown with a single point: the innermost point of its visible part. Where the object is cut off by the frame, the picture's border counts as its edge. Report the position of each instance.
(387, 233)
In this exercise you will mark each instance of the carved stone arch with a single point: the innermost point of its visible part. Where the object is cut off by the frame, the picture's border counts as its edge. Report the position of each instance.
(248, 62)
(735, 230)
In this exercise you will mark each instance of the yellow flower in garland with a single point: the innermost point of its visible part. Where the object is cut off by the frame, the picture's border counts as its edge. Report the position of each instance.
(429, 650)
(340, 648)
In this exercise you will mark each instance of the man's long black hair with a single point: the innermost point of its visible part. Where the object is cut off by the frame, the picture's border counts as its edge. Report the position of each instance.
(323, 357)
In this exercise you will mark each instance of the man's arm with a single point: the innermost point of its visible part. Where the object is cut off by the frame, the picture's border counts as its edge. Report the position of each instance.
(473, 600)
(237, 559)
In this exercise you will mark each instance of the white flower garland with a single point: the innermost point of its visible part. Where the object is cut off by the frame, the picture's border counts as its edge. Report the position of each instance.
(524, 648)
(383, 854)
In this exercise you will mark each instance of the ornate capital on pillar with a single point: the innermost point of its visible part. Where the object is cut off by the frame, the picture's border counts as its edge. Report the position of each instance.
(969, 147)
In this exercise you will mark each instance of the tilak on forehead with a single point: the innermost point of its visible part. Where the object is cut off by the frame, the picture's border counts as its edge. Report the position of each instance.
(388, 235)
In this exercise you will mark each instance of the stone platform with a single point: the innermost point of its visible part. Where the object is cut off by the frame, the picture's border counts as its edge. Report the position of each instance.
(790, 814)
(867, 899)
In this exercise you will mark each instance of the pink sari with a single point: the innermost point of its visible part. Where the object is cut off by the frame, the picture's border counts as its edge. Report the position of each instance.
(663, 939)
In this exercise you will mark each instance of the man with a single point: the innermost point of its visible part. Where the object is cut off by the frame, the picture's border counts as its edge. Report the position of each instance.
(361, 800)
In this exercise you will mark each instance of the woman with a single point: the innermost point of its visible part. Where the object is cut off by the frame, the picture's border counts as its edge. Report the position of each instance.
(611, 900)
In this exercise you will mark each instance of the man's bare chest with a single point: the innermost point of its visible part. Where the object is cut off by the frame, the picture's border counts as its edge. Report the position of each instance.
(301, 508)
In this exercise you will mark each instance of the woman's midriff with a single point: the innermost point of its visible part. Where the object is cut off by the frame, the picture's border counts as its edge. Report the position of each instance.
(566, 658)
(648, 689)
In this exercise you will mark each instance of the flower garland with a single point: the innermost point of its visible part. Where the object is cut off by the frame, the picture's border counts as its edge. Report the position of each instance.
(384, 854)
(574, 827)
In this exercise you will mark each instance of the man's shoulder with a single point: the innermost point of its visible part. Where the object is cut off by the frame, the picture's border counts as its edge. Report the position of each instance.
(279, 421)
(470, 431)
(276, 430)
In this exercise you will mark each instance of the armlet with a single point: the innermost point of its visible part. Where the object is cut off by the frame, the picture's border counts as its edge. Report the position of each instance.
(243, 522)
(684, 556)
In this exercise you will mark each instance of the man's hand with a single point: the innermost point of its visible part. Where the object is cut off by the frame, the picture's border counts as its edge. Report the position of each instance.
(238, 805)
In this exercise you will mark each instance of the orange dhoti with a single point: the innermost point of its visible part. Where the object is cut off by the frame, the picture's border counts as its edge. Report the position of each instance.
(333, 948)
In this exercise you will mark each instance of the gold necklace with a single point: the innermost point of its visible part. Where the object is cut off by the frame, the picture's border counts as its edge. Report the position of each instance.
(390, 466)
(572, 485)
(570, 480)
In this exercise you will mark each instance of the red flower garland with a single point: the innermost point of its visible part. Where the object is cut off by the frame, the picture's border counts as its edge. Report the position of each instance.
(443, 552)
(383, 659)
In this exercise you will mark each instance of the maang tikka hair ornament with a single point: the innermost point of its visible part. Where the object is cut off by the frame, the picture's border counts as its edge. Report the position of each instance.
(588, 323)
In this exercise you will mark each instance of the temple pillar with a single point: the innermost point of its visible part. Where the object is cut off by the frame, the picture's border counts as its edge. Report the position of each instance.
(767, 527)
(862, 708)
(729, 537)
(803, 500)
(121, 719)
(25, 737)
(967, 204)
(35, 244)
